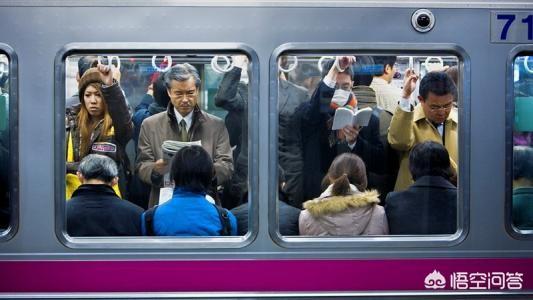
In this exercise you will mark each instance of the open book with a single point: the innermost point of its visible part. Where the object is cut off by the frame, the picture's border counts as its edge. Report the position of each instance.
(345, 116)
(171, 147)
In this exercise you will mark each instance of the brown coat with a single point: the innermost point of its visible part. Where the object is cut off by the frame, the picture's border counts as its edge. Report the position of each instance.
(350, 215)
(163, 126)
(410, 128)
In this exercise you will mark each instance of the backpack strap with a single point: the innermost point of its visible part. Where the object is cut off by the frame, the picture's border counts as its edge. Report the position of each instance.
(149, 221)
(224, 220)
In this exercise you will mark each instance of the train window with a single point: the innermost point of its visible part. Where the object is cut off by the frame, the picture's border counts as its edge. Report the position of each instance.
(522, 142)
(156, 145)
(5, 197)
(367, 144)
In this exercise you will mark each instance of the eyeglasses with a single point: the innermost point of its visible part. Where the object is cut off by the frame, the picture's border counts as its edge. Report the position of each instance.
(447, 106)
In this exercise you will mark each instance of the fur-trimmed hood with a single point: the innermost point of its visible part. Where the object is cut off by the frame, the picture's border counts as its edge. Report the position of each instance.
(337, 204)
(349, 215)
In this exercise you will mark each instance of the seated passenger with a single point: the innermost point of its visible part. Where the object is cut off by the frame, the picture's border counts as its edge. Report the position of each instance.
(188, 213)
(522, 212)
(344, 208)
(287, 215)
(182, 121)
(433, 119)
(102, 126)
(321, 144)
(95, 209)
(429, 206)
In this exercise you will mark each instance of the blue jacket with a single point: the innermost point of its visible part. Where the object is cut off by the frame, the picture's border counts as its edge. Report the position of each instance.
(188, 214)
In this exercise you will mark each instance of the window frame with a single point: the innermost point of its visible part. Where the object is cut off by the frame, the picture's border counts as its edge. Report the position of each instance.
(144, 242)
(518, 51)
(13, 185)
(374, 242)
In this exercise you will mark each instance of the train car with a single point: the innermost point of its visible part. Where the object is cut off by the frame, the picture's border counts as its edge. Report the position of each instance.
(281, 53)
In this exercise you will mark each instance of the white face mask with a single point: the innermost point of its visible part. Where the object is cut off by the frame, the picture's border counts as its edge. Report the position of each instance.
(341, 98)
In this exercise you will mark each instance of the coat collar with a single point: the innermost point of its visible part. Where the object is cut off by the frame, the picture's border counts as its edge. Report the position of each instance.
(336, 204)
(419, 114)
(198, 115)
(94, 189)
(433, 181)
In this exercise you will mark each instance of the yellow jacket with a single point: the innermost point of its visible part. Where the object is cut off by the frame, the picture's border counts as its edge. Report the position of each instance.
(410, 128)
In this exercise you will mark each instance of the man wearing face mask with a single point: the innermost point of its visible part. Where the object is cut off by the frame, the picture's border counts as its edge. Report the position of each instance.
(321, 144)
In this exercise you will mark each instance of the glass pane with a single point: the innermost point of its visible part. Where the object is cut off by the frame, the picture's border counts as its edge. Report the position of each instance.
(176, 129)
(345, 145)
(522, 212)
(4, 142)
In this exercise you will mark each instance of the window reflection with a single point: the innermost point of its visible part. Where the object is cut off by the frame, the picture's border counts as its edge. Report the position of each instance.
(522, 211)
(344, 110)
(4, 142)
(141, 112)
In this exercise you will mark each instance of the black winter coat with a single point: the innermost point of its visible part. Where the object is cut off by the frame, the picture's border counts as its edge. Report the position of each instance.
(428, 206)
(95, 210)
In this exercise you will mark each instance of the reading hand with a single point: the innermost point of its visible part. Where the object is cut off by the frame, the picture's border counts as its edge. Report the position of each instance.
(351, 133)
(160, 166)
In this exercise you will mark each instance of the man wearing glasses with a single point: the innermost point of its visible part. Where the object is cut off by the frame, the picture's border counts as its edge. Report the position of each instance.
(433, 119)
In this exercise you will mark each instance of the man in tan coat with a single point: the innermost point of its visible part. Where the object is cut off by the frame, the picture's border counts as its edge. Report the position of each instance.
(433, 119)
(182, 121)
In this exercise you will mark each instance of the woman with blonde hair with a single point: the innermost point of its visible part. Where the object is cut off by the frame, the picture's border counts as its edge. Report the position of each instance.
(344, 208)
(102, 125)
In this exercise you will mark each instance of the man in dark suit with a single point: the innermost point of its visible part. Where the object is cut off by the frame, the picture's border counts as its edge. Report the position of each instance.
(429, 205)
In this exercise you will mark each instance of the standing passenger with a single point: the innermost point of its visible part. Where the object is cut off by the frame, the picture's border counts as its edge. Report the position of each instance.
(523, 187)
(344, 208)
(433, 119)
(387, 95)
(103, 124)
(321, 144)
(182, 121)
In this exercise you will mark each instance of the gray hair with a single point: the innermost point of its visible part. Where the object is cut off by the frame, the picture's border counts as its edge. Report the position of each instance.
(182, 72)
(97, 166)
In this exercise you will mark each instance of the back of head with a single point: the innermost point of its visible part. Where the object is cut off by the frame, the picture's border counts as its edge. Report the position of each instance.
(363, 70)
(346, 169)
(382, 61)
(327, 64)
(192, 168)
(438, 83)
(85, 63)
(97, 166)
(429, 159)
(182, 72)
(522, 162)
(160, 91)
(453, 72)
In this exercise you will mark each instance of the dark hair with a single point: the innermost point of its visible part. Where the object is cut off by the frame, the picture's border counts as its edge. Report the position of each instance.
(326, 66)
(160, 91)
(522, 162)
(383, 62)
(438, 83)
(85, 63)
(429, 159)
(304, 71)
(192, 168)
(97, 166)
(345, 169)
(363, 70)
